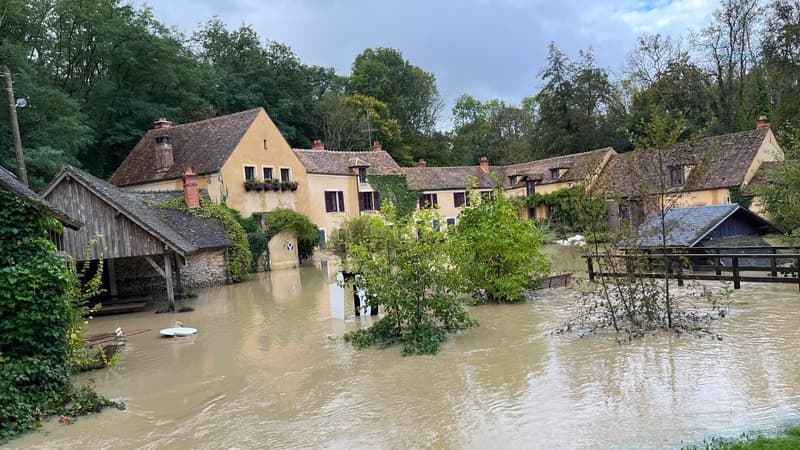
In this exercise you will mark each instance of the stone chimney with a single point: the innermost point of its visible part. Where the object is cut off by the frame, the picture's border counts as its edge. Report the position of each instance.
(317, 145)
(376, 146)
(191, 193)
(485, 164)
(762, 122)
(422, 163)
(161, 123)
(163, 150)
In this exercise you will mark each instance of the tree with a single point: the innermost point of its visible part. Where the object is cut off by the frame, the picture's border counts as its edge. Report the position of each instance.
(781, 59)
(410, 93)
(497, 253)
(404, 267)
(782, 195)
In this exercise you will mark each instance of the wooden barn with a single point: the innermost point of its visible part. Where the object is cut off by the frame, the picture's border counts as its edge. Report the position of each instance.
(149, 252)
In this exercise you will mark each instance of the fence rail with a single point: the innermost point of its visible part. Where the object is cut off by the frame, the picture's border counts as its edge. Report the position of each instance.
(737, 267)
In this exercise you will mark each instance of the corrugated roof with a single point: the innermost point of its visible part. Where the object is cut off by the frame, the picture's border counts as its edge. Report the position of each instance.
(330, 162)
(203, 145)
(718, 162)
(10, 182)
(174, 228)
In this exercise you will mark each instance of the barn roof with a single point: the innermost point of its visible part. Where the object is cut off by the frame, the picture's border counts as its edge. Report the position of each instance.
(182, 231)
(203, 145)
(686, 227)
(329, 162)
(10, 183)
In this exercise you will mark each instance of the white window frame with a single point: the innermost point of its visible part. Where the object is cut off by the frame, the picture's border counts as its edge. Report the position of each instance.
(244, 171)
(280, 177)
(267, 167)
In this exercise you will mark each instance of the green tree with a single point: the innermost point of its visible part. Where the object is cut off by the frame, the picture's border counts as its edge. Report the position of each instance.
(404, 267)
(782, 195)
(497, 252)
(780, 50)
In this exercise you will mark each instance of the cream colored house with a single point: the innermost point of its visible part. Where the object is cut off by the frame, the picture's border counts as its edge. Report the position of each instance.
(236, 157)
(338, 183)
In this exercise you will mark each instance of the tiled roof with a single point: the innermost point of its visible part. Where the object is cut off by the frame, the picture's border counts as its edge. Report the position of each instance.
(183, 231)
(9, 182)
(437, 178)
(578, 165)
(719, 162)
(204, 145)
(762, 178)
(686, 227)
(328, 162)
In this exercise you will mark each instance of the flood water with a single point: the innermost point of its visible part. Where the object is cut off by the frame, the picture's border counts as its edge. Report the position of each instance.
(264, 373)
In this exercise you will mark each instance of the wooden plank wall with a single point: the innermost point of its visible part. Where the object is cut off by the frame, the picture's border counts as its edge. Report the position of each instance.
(121, 237)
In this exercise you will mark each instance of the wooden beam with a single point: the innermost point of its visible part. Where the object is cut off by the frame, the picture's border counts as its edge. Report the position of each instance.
(168, 278)
(155, 266)
(112, 277)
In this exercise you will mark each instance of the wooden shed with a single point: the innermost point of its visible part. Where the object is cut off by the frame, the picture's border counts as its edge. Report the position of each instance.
(142, 243)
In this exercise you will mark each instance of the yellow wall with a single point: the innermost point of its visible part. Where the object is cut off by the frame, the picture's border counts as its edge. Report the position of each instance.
(283, 251)
(707, 197)
(318, 184)
(446, 202)
(769, 151)
(251, 152)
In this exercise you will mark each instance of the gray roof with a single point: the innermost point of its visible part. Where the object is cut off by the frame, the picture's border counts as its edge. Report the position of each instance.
(174, 228)
(10, 182)
(329, 162)
(686, 227)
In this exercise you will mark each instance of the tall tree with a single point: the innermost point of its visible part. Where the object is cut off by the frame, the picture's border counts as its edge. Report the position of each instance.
(781, 56)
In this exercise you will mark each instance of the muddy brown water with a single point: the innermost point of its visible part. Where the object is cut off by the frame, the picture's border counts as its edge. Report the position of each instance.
(263, 373)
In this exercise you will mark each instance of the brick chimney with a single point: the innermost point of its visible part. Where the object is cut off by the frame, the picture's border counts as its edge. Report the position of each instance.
(191, 193)
(317, 145)
(376, 146)
(163, 150)
(161, 123)
(762, 122)
(422, 163)
(485, 164)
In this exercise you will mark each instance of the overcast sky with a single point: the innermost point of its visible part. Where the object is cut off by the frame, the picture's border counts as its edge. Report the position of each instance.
(487, 48)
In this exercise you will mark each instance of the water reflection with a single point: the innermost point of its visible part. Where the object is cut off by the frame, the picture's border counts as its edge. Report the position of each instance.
(263, 373)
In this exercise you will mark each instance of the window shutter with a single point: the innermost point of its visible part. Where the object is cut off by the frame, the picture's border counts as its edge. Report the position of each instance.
(421, 201)
(377, 200)
(341, 201)
(361, 200)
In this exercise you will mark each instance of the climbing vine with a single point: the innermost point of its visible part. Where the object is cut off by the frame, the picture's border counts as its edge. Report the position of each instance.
(261, 227)
(573, 206)
(240, 257)
(394, 188)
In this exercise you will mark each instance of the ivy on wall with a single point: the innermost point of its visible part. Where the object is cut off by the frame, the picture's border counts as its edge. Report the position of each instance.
(394, 188)
(261, 227)
(240, 258)
(573, 206)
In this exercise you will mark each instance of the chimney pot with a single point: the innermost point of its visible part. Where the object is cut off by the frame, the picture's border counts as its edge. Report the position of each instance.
(485, 164)
(191, 193)
(422, 163)
(762, 122)
(317, 145)
(162, 123)
(376, 145)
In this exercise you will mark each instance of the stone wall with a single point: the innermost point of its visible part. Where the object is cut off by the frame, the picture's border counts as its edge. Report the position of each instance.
(203, 269)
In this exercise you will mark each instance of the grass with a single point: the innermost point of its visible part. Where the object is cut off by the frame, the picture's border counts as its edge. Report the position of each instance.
(789, 439)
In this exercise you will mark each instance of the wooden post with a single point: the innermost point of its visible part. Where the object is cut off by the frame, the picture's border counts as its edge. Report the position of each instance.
(591, 268)
(679, 272)
(737, 283)
(773, 263)
(719, 264)
(112, 277)
(168, 278)
(798, 272)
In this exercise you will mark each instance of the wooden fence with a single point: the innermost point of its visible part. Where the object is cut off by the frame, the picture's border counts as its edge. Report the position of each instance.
(765, 265)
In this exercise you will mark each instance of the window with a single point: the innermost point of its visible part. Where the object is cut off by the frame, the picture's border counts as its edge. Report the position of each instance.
(285, 175)
(362, 174)
(486, 195)
(460, 199)
(334, 201)
(676, 176)
(369, 201)
(532, 213)
(512, 180)
(428, 201)
(555, 174)
(530, 187)
(451, 222)
(322, 237)
(435, 224)
(268, 175)
(249, 173)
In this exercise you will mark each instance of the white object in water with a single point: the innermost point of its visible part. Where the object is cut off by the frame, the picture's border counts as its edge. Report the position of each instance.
(182, 331)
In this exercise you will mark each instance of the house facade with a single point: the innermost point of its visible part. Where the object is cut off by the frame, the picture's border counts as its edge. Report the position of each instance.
(241, 159)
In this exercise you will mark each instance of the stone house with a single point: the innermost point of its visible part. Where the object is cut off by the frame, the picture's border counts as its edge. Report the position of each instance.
(147, 250)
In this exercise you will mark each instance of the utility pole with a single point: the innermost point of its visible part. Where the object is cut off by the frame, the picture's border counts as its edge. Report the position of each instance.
(369, 128)
(12, 116)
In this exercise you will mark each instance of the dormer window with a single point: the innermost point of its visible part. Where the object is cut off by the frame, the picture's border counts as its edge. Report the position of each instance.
(676, 176)
(512, 180)
(555, 174)
(362, 174)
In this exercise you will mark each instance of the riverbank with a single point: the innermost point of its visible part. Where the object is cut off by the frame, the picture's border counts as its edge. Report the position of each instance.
(788, 439)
